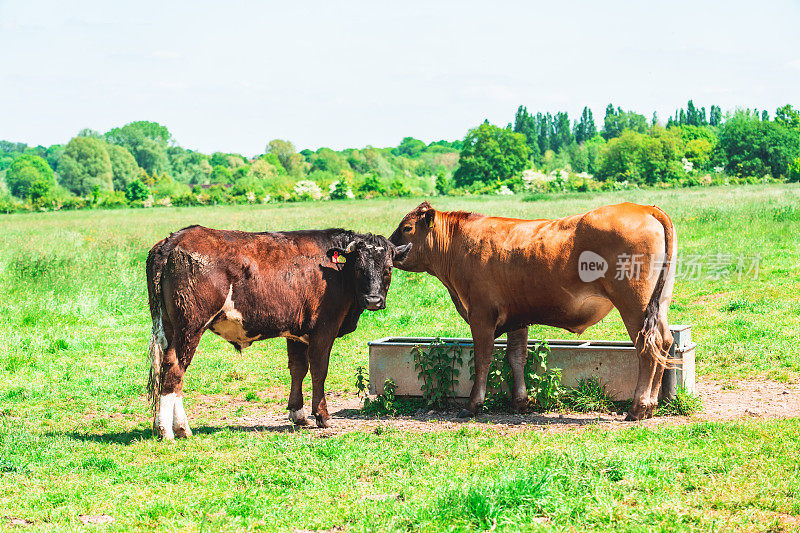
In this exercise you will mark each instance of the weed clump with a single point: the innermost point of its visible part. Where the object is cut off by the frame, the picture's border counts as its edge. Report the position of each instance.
(683, 404)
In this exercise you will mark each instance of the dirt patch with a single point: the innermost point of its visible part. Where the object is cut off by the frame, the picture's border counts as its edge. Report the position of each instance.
(721, 401)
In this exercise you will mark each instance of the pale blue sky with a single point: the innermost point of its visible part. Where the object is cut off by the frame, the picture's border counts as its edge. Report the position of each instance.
(229, 76)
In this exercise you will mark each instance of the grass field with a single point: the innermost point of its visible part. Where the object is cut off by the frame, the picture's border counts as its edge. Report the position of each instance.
(74, 439)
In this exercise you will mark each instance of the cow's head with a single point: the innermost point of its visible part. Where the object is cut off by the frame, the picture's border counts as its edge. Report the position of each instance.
(414, 229)
(369, 260)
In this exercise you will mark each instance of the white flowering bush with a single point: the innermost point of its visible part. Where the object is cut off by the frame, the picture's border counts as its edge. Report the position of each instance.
(504, 191)
(688, 166)
(165, 202)
(251, 197)
(307, 190)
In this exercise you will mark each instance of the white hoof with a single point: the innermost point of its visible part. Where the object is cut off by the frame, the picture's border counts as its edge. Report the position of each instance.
(165, 433)
(298, 417)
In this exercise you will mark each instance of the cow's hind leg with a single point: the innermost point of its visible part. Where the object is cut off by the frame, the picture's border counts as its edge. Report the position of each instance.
(172, 420)
(652, 348)
(517, 355)
(298, 368)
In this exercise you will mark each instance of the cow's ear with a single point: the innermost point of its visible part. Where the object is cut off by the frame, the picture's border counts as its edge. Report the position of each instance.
(428, 217)
(400, 252)
(336, 255)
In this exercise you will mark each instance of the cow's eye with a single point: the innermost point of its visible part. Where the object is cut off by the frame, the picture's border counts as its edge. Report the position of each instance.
(408, 229)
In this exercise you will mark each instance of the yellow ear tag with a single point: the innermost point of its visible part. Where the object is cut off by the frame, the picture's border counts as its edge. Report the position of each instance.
(432, 221)
(339, 259)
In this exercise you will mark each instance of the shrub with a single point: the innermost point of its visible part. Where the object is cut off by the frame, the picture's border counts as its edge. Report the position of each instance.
(794, 170)
(372, 186)
(114, 200)
(340, 190)
(136, 191)
(186, 199)
(307, 190)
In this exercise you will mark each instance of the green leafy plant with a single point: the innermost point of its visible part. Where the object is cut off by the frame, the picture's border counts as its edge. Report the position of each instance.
(542, 384)
(683, 404)
(589, 396)
(438, 369)
(384, 403)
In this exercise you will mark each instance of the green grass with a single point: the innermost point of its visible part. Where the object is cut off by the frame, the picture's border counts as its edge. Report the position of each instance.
(74, 329)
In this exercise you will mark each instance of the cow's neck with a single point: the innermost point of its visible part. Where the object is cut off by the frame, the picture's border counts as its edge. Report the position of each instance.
(440, 241)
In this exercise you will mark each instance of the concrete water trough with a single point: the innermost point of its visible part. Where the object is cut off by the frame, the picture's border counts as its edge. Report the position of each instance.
(614, 362)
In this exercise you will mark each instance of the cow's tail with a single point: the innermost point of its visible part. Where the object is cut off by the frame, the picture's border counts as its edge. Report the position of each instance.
(156, 261)
(651, 333)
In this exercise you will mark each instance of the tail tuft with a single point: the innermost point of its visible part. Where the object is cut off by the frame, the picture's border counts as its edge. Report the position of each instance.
(651, 338)
(158, 343)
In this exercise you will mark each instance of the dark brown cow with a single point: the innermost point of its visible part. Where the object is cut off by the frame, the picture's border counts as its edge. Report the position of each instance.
(308, 286)
(504, 274)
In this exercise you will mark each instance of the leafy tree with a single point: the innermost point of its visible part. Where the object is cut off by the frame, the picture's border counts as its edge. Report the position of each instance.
(562, 133)
(794, 170)
(789, 117)
(616, 121)
(284, 150)
(372, 185)
(146, 141)
(692, 114)
(263, 170)
(222, 175)
(754, 147)
(340, 190)
(53, 155)
(715, 116)
(85, 166)
(545, 132)
(585, 128)
(327, 160)
(29, 177)
(229, 161)
(136, 190)
(189, 166)
(411, 147)
(443, 184)
(490, 154)
(151, 156)
(525, 123)
(642, 158)
(123, 166)
(133, 132)
(578, 157)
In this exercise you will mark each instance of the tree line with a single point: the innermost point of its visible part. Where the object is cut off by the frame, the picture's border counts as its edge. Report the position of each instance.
(141, 164)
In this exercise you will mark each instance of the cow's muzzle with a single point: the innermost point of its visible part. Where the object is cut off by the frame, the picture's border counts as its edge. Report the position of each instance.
(373, 303)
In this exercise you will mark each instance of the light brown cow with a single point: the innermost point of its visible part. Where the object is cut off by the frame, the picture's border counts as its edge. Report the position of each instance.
(504, 274)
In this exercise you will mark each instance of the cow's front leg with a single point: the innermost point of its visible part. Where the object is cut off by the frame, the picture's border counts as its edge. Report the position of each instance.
(298, 368)
(483, 345)
(517, 355)
(319, 353)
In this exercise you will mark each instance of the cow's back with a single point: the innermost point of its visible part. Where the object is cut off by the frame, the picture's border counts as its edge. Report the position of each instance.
(529, 269)
(247, 286)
